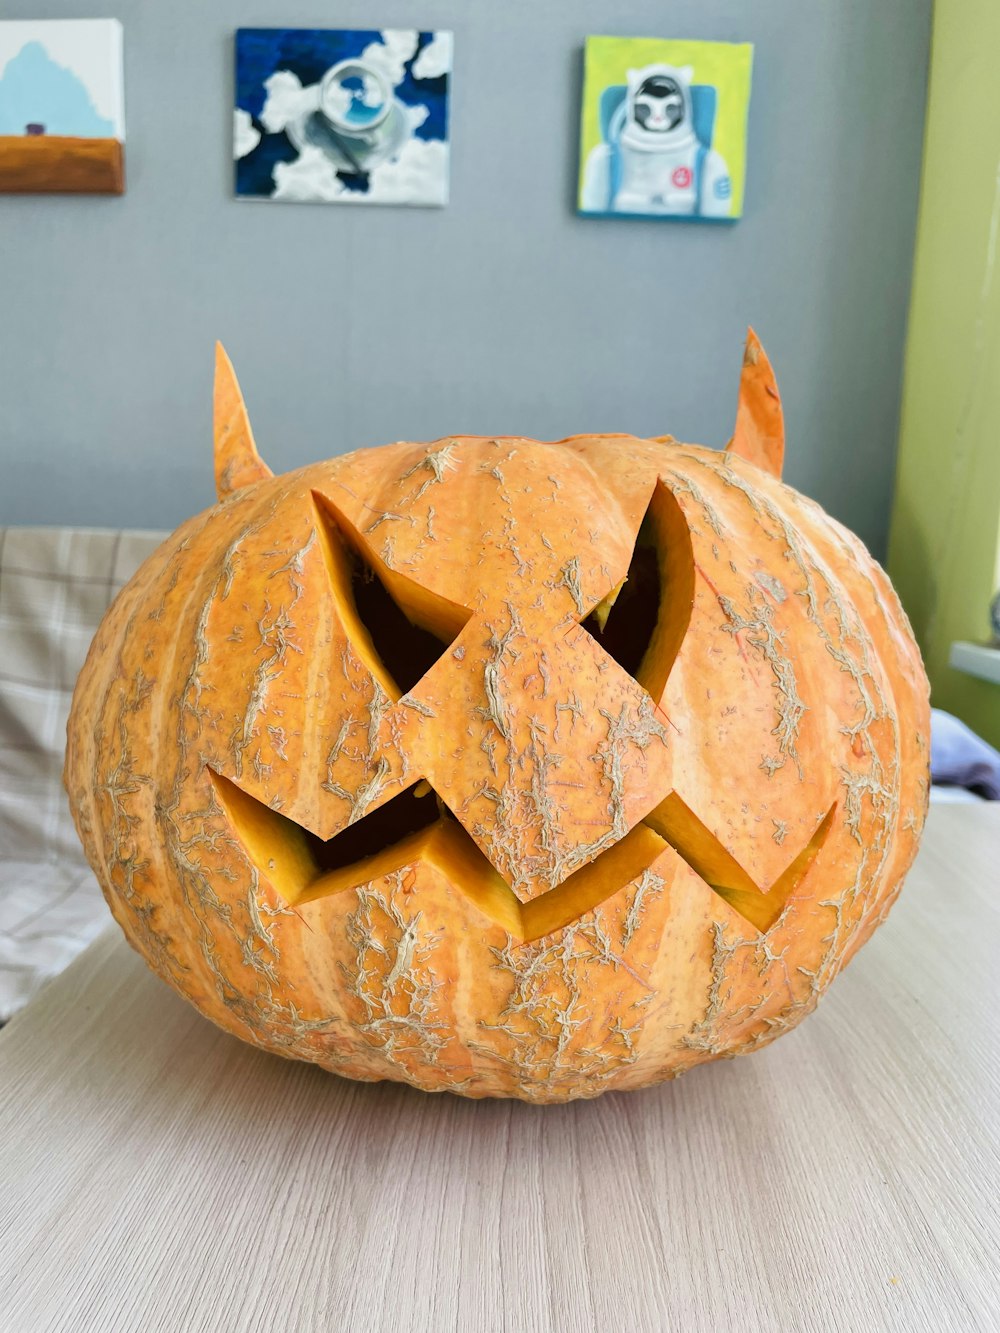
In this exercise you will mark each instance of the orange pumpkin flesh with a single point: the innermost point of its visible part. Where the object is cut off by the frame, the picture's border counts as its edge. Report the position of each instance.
(504, 768)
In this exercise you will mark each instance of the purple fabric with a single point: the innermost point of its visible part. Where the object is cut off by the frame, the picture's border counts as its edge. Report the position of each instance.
(960, 758)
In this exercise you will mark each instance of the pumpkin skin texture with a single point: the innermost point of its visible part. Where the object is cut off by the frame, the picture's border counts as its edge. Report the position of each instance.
(514, 854)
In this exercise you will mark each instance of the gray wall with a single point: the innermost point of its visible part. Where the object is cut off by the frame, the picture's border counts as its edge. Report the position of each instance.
(504, 313)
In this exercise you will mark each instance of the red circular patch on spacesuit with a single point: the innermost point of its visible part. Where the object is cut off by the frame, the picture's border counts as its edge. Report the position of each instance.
(682, 177)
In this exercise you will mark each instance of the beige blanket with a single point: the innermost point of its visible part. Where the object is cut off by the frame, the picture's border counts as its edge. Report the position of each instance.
(55, 584)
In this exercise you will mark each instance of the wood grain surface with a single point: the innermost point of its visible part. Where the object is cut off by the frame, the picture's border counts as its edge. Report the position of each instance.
(157, 1175)
(54, 164)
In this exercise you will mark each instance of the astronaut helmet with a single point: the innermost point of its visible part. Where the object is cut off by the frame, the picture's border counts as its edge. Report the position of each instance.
(355, 97)
(659, 101)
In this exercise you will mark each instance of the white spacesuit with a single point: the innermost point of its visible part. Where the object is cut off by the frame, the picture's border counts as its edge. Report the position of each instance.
(653, 161)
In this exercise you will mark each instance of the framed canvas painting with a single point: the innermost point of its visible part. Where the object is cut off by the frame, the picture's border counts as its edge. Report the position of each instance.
(62, 119)
(663, 128)
(342, 116)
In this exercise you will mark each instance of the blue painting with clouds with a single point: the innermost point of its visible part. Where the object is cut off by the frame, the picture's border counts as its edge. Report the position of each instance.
(35, 90)
(342, 116)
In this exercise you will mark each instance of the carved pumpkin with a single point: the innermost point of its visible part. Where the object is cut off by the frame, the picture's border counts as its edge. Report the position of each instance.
(504, 768)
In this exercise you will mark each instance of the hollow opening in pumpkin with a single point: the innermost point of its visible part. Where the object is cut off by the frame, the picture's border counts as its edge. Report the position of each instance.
(411, 811)
(629, 621)
(406, 651)
(642, 622)
(677, 824)
(302, 865)
(417, 826)
(413, 827)
(397, 628)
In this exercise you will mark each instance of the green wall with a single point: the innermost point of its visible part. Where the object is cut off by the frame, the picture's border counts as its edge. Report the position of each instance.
(945, 536)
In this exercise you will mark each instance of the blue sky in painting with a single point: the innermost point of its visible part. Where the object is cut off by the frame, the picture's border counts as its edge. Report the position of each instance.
(36, 90)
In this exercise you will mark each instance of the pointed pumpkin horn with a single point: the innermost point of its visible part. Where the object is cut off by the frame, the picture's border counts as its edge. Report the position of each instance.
(237, 462)
(760, 425)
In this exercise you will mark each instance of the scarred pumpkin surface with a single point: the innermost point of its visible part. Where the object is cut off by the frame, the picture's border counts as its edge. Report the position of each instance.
(504, 768)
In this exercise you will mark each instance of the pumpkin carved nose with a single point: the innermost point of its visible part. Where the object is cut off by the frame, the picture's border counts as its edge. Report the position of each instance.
(544, 748)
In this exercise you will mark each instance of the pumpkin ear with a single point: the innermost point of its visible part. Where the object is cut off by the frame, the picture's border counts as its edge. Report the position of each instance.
(760, 426)
(237, 462)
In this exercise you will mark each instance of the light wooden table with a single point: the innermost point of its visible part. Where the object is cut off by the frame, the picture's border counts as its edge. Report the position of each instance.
(156, 1175)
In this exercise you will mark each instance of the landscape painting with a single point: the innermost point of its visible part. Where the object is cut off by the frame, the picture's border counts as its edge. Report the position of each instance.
(342, 116)
(62, 121)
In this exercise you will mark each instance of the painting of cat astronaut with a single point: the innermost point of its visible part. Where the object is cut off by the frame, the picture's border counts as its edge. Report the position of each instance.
(663, 128)
(342, 116)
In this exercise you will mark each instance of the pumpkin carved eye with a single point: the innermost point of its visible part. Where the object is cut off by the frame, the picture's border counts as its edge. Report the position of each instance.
(397, 628)
(642, 622)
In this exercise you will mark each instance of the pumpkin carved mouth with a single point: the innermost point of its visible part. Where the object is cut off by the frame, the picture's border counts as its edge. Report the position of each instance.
(400, 630)
(296, 862)
(303, 867)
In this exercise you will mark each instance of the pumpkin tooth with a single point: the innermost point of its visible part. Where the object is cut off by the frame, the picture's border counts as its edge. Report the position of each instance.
(617, 867)
(602, 610)
(275, 844)
(302, 866)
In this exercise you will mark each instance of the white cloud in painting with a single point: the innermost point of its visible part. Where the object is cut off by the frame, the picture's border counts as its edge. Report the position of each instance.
(418, 175)
(371, 91)
(389, 56)
(287, 100)
(246, 136)
(311, 178)
(435, 59)
(417, 115)
(90, 48)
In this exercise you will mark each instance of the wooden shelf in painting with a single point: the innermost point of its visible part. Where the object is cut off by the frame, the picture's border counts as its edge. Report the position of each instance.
(52, 164)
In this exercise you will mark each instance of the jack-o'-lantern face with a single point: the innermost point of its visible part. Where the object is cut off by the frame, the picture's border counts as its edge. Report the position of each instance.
(499, 707)
(427, 719)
